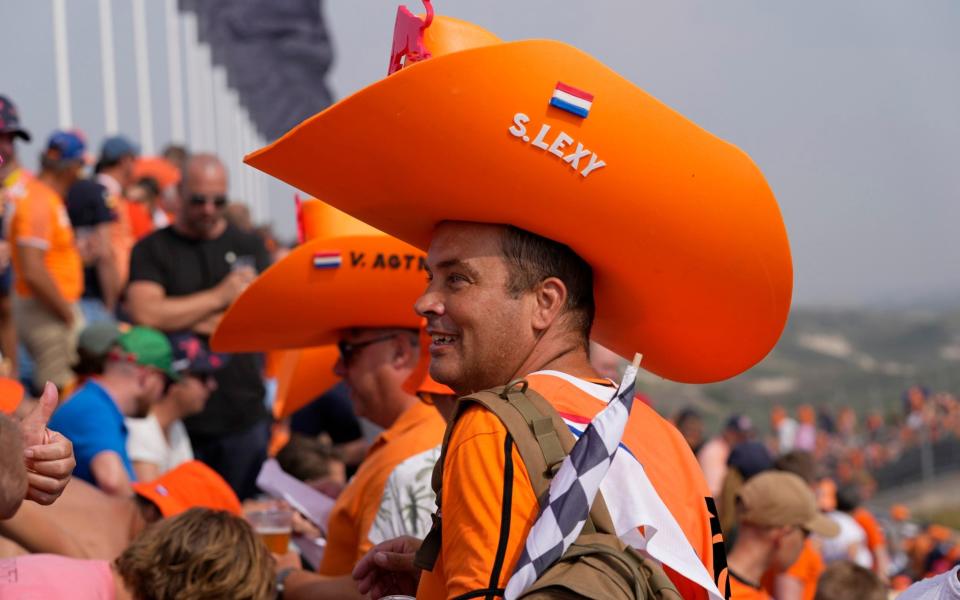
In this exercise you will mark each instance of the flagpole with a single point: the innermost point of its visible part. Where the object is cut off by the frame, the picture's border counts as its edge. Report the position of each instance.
(174, 74)
(107, 69)
(194, 110)
(142, 62)
(64, 105)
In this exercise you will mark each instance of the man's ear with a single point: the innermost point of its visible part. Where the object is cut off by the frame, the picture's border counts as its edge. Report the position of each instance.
(405, 351)
(550, 297)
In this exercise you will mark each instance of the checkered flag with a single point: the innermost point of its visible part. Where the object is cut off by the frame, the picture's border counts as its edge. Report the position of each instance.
(574, 487)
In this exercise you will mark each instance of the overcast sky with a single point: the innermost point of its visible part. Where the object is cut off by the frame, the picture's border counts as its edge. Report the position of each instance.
(851, 109)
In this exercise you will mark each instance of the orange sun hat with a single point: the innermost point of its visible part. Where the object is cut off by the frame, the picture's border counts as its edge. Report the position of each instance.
(162, 170)
(690, 256)
(360, 277)
(190, 485)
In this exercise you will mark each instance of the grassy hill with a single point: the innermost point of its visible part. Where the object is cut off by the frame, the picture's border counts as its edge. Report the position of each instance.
(862, 358)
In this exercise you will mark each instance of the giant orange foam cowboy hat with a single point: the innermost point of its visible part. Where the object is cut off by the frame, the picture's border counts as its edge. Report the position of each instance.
(690, 255)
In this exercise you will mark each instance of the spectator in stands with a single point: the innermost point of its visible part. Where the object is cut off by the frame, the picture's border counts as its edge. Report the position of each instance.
(851, 542)
(312, 460)
(12, 184)
(93, 346)
(784, 429)
(184, 277)
(115, 172)
(799, 581)
(92, 218)
(159, 442)
(690, 424)
(714, 454)
(776, 511)
(135, 376)
(48, 272)
(332, 414)
(844, 580)
(199, 554)
(746, 460)
(86, 523)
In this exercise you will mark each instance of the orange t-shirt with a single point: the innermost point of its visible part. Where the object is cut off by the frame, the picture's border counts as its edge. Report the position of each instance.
(417, 430)
(39, 219)
(741, 590)
(141, 222)
(807, 569)
(476, 505)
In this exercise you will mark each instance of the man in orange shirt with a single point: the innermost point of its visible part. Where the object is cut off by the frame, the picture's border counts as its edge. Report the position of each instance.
(115, 172)
(48, 272)
(314, 295)
(605, 205)
(776, 513)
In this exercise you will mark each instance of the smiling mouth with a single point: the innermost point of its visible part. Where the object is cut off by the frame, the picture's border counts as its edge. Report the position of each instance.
(442, 340)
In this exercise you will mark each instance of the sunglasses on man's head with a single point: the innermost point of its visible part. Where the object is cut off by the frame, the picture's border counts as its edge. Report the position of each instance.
(200, 200)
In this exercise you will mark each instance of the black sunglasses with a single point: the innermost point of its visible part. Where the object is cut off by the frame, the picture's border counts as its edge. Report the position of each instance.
(348, 350)
(200, 200)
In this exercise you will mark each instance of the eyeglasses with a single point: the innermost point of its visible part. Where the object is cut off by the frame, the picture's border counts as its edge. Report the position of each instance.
(348, 351)
(199, 200)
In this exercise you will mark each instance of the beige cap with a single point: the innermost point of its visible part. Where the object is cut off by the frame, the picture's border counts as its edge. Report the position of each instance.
(777, 498)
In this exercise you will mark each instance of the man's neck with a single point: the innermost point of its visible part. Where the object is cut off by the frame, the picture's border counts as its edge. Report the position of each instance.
(53, 182)
(750, 560)
(400, 404)
(166, 414)
(119, 392)
(567, 357)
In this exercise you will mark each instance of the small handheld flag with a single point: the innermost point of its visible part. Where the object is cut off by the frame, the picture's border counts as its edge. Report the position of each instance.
(571, 99)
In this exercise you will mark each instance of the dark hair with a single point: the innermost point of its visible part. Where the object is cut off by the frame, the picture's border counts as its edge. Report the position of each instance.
(848, 498)
(843, 579)
(532, 258)
(307, 458)
(798, 462)
(150, 184)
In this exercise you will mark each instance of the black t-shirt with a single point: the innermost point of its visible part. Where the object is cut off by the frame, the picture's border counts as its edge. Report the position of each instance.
(331, 413)
(186, 266)
(88, 204)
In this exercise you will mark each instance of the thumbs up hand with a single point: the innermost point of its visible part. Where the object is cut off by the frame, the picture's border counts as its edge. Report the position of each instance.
(49, 455)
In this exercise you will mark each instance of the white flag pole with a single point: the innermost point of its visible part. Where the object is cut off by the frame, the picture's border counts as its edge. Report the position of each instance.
(107, 69)
(64, 105)
(174, 74)
(142, 62)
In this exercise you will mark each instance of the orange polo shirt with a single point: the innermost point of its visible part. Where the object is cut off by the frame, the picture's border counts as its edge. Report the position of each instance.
(417, 430)
(477, 507)
(39, 219)
(875, 537)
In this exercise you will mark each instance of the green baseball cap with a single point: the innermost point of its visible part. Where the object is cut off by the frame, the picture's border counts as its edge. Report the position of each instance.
(149, 348)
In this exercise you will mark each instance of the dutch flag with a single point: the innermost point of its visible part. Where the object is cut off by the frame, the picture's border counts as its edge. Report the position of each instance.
(326, 260)
(571, 99)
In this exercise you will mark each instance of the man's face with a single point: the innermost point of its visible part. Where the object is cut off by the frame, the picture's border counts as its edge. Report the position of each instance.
(371, 369)
(152, 383)
(480, 333)
(789, 546)
(7, 151)
(204, 201)
(192, 392)
(126, 171)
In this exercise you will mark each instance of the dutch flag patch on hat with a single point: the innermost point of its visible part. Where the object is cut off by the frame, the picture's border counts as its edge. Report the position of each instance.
(326, 260)
(571, 99)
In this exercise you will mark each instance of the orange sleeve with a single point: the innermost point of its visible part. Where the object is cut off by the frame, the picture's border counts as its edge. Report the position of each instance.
(486, 511)
(340, 554)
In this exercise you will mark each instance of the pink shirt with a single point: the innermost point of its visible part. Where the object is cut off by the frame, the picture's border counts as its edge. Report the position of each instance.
(53, 577)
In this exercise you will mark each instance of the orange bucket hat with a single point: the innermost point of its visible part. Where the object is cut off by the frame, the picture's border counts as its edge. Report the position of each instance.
(690, 255)
(361, 278)
(190, 485)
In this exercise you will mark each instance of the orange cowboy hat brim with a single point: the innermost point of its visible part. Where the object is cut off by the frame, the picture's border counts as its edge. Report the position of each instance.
(322, 288)
(302, 377)
(691, 261)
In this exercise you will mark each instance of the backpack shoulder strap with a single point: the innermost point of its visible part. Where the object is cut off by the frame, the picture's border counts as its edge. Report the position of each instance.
(542, 439)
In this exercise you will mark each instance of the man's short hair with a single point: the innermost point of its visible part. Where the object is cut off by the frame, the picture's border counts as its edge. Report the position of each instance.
(844, 579)
(532, 258)
(800, 463)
